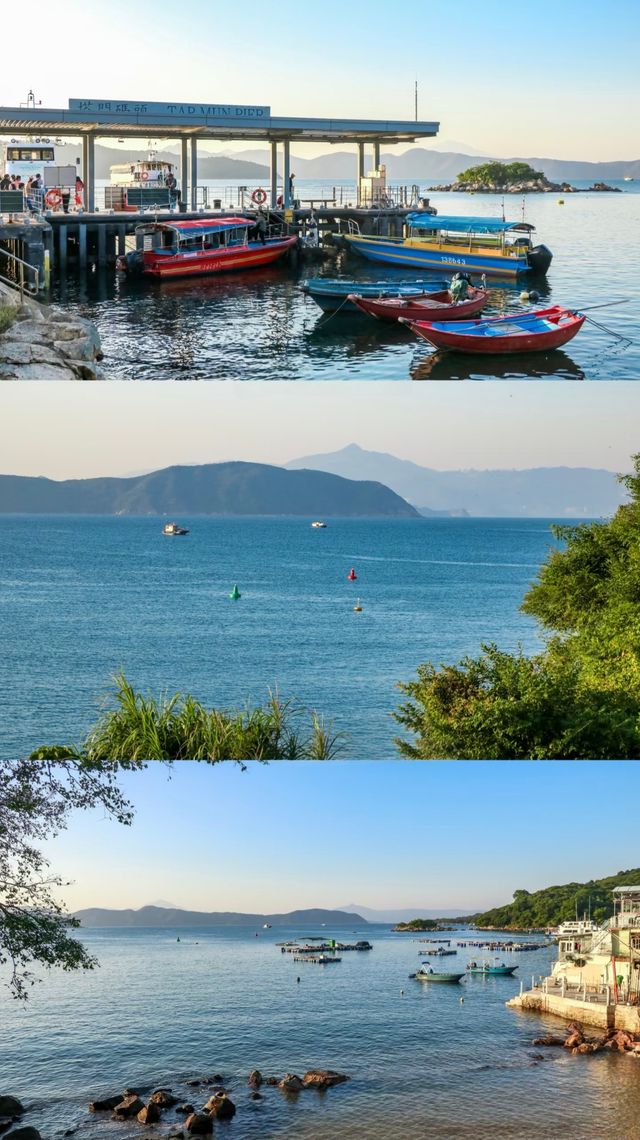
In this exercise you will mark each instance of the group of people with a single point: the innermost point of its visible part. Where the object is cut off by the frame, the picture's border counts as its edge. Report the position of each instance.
(34, 191)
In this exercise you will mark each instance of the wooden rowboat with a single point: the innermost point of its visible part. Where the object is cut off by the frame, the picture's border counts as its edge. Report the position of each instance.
(537, 330)
(439, 306)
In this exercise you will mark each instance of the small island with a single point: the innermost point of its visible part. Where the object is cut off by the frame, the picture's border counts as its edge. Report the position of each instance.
(515, 178)
(418, 924)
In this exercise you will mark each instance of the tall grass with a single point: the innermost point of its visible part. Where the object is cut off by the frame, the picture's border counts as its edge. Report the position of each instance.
(180, 728)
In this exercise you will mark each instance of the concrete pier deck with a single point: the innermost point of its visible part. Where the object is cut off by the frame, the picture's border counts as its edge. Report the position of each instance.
(589, 1008)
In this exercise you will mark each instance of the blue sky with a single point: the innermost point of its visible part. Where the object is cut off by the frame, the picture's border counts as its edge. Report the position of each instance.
(123, 429)
(550, 80)
(398, 834)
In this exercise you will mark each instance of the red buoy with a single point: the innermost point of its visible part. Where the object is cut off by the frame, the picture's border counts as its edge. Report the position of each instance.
(352, 575)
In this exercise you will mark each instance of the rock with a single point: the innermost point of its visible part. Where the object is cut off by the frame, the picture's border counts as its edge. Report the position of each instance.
(574, 1040)
(11, 1106)
(164, 1098)
(199, 1124)
(106, 1105)
(548, 1040)
(256, 1096)
(272, 1081)
(290, 1083)
(193, 1084)
(255, 1079)
(24, 1134)
(221, 1107)
(588, 1047)
(35, 371)
(216, 1079)
(128, 1107)
(150, 1114)
(323, 1078)
(5, 1122)
(185, 1109)
(621, 1040)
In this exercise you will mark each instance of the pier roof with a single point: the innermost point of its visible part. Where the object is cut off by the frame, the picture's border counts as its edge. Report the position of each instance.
(112, 117)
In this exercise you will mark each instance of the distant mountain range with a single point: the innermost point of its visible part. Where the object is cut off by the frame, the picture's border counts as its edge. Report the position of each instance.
(418, 164)
(208, 489)
(539, 492)
(158, 916)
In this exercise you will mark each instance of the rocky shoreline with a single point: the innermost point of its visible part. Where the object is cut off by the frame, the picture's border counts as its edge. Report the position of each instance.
(41, 342)
(149, 1108)
(535, 186)
(617, 1040)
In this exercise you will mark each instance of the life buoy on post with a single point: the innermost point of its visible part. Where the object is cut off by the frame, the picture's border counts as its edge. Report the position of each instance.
(145, 176)
(259, 196)
(53, 198)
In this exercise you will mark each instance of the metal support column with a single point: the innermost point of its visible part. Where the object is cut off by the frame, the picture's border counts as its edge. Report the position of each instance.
(85, 169)
(102, 245)
(286, 170)
(82, 246)
(194, 173)
(360, 162)
(122, 240)
(184, 175)
(90, 181)
(62, 255)
(274, 174)
(376, 156)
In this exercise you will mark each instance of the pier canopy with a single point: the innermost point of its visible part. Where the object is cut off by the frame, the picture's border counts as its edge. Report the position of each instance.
(90, 119)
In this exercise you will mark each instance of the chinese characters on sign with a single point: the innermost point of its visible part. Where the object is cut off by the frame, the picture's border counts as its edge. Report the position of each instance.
(168, 110)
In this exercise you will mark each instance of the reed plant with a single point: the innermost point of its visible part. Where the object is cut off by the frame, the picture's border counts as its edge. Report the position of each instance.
(178, 727)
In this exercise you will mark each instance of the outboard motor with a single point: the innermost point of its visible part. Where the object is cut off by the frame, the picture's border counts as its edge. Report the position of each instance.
(132, 262)
(539, 258)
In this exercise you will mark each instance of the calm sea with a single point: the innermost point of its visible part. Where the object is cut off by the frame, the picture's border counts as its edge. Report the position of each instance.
(159, 1012)
(81, 598)
(260, 326)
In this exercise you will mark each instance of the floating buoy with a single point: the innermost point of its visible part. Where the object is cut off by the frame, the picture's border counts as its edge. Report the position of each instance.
(524, 296)
(561, 201)
(357, 608)
(534, 295)
(352, 575)
(235, 593)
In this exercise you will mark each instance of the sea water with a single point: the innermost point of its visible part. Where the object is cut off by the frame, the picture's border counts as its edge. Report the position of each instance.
(159, 1011)
(82, 598)
(261, 326)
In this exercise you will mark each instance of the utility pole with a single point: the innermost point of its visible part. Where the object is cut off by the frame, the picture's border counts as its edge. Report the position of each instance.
(415, 99)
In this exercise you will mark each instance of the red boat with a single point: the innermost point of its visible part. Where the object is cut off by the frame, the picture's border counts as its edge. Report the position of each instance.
(439, 305)
(537, 330)
(190, 248)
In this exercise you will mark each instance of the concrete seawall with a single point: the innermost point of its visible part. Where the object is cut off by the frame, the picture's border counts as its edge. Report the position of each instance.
(587, 1012)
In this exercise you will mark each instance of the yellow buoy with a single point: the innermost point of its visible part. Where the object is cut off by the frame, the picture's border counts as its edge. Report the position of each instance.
(357, 608)
(561, 201)
(524, 296)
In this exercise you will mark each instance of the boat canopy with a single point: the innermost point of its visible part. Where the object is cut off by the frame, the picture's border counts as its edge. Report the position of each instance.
(420, 221)
(199, 228)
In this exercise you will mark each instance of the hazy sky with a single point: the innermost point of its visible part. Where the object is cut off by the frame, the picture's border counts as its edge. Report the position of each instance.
(68, 430)
(398, 834)
(554, 80)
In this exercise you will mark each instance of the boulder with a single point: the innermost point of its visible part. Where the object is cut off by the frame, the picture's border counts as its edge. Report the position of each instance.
(255, 1079)
(574, 1040)
(106, 1105)
(290, 1083)
(164, 1098)
(256, 1096)
(221, 1107)
(550, 1039)
(621, 1040)
(272, 1080)
(150, 1114)
(193, 1084)
(58, 371)
(5, 1122)
(24, 1134)
(199, 1124)
(185, 1109)
(587, 1047)
(323, 1078)
(10, 1106)
(128, 1107)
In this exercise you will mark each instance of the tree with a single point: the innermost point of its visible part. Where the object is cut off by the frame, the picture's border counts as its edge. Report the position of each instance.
(36, 800)
(500, 174)
(580, 697)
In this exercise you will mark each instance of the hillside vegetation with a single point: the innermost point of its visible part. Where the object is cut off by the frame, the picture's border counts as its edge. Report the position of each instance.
(553, 905)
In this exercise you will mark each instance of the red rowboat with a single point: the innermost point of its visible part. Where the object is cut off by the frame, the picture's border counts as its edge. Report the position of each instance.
(534, 331)
(440, 306)
(191, 248)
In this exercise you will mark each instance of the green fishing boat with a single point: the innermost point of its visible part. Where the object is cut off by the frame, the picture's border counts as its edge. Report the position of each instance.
(487, 969)
(427, 974)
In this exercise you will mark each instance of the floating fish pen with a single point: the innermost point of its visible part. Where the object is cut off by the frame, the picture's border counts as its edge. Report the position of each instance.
(441, 953)
(511, 947)
(317, 959)
(326, 947)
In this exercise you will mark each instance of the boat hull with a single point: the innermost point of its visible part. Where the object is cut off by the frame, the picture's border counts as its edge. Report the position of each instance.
(442, 979)
(434, 305)
(539, 331)
(251, 256)
(424, 256)
(495, 971)
(333, 295)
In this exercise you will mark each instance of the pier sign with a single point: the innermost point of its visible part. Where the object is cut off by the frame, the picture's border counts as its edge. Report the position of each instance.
(135, 108)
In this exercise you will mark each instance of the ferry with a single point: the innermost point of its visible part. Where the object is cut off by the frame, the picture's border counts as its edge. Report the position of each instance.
(476, 245)
(151, 171)
(202, 246)
(172, 529)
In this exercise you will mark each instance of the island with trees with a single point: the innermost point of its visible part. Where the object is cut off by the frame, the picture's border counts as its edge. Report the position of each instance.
(417, 925)
(553, 905)
(514, 178)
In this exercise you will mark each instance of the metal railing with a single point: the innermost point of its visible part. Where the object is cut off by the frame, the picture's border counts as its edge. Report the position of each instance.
(20, 283)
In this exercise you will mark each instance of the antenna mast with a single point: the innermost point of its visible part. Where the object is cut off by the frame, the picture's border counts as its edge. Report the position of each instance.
(415, 99)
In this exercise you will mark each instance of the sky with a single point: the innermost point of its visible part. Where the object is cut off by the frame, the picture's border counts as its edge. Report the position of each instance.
(79, 430)
(554, 80)
(286, 835)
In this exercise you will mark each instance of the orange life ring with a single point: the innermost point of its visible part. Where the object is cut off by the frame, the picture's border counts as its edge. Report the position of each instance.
(259, 196)
(145, 176)
(53, 198)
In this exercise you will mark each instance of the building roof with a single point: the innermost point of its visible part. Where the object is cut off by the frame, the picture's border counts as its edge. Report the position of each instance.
(626, 890)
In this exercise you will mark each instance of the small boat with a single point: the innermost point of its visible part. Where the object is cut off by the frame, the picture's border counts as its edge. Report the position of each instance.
(319, 525)
(426, 974)
(351, 576)
(235, 593)
(202, 246)
(172, 529)
(475, 245)
(437, 306)
(332, 293)
(488, 970)
(266, 926)
(538, 330)
(357, 609)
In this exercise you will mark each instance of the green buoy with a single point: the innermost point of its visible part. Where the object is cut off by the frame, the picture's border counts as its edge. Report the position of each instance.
(235, 593)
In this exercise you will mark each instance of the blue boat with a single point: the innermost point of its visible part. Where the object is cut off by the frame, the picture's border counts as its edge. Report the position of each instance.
(475, 245)
(331, 293)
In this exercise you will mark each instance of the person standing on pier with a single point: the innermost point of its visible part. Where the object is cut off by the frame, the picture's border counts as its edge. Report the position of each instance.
(172, 187)
(261, 226)
(292, 178)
